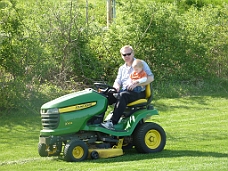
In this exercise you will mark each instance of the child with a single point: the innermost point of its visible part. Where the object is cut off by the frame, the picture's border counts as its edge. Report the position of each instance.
(138, 75)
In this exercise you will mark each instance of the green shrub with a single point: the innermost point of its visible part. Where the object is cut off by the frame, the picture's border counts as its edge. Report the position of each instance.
(67, 45)
(177, 46)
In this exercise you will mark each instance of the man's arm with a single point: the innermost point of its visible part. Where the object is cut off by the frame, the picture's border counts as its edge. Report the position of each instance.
(150, 76)
(117, 86)
(148, 81)
(117, 82)
(140, 80)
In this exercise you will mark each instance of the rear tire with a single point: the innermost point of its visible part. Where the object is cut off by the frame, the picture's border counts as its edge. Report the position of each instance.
(75, 150)
(149, 138)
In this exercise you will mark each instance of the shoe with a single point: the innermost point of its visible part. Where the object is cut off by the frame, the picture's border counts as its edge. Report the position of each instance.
(108, 124)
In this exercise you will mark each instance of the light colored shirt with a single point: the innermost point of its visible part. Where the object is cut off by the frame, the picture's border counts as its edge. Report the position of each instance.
(125, 71)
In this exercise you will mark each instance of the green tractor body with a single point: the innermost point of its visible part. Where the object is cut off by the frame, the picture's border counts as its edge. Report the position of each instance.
(71, 113)
(72, 128)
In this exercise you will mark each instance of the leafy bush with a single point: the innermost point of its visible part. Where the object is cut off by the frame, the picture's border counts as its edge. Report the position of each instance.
(178, 46)
(67, 43)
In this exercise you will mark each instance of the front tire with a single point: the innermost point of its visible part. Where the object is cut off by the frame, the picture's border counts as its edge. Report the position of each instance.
(42, 150)
(75, 150)
(149, 138)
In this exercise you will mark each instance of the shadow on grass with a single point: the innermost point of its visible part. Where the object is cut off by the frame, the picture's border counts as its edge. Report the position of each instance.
(188, 103)
(189, 153)
(132, 155)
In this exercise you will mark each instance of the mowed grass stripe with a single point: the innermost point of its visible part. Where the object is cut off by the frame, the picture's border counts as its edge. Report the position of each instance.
(196, 130)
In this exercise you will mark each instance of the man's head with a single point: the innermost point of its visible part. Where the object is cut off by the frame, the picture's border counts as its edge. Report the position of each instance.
(137, 65)
(127, 54)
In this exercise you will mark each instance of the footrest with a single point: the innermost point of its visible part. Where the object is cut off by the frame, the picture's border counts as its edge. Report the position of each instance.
(109, 140)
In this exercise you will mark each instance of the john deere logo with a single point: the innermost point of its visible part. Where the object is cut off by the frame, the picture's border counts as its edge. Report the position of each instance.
(77, 107)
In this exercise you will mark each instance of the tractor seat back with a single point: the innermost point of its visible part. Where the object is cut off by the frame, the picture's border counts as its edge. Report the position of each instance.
(143, 102)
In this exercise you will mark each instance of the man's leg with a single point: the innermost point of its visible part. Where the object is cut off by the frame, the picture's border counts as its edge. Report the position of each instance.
(125, 98)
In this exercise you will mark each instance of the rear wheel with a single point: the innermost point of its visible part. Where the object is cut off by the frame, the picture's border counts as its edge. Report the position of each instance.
(75, 150)
(149, 138)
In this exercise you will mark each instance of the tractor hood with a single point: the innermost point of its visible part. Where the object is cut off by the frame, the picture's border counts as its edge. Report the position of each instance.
(85, 96)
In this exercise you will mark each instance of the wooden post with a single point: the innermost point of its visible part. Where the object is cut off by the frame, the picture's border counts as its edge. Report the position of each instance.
(113, 8)
(87, 13)
(109, 12)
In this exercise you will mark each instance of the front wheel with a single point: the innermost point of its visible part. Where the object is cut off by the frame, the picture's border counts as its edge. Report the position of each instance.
(75, 150)
(149, 138)
(42, 150)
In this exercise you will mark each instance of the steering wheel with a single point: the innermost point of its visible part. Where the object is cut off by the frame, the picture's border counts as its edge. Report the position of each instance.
(107, 88)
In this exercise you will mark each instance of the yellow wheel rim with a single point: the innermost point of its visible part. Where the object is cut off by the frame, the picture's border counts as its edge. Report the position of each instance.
(153, 139)
(78, 152)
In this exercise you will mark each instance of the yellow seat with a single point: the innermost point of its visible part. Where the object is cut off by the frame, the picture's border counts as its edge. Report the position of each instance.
(143, 102)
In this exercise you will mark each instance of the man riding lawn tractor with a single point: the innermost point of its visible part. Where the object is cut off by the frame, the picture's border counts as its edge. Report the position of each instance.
(73, 124)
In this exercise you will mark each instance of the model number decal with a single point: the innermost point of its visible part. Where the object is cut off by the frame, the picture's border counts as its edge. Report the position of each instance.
(68, 123)
(77, 107)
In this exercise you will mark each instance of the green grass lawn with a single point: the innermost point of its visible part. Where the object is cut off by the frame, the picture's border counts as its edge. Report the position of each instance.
(197, 139)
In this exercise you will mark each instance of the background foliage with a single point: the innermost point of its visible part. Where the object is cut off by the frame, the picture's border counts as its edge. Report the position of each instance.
(67, 45)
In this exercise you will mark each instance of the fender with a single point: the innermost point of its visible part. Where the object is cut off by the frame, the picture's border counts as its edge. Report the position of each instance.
(126, 126)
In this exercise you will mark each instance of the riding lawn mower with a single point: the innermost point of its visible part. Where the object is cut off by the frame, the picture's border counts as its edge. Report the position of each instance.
(71, 126)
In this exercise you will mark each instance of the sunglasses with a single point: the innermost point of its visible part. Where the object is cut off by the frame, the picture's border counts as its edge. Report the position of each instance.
(126, 54)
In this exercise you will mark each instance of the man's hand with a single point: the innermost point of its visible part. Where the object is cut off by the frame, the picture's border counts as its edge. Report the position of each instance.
(117, 87)
(132, 85)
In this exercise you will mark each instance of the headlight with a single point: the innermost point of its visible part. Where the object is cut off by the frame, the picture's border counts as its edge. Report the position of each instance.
(53, 111)
(49, 111)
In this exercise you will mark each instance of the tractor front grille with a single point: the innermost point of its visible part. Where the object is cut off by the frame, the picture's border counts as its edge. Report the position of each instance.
(49, 121)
